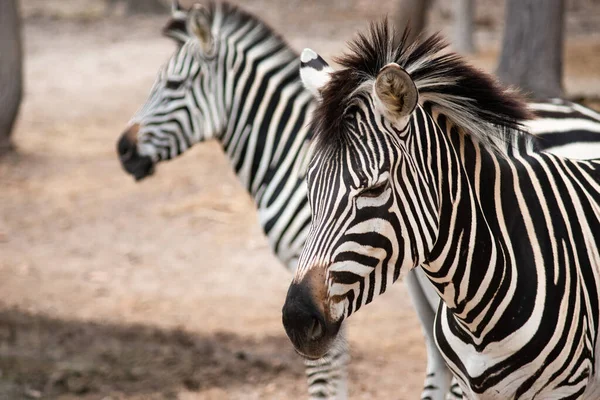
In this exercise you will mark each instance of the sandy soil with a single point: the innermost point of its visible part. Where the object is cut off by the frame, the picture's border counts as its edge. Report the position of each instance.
(165, 289)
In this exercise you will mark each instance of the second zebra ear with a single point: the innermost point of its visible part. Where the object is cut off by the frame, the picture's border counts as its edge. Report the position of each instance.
(200, 26)
(314, 72)
(395, 92)
(176, 27)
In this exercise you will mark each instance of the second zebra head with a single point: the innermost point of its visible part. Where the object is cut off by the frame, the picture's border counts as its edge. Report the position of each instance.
(180, 110)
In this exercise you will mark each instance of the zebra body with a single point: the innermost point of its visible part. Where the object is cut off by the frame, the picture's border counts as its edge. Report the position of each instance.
(421, 160)
(565, 128)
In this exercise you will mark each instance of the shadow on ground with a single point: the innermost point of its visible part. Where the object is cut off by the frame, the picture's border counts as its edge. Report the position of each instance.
(47, 357)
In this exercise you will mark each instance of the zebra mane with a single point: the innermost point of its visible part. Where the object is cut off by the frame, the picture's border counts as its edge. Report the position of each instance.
(471, 99)
(220, 12)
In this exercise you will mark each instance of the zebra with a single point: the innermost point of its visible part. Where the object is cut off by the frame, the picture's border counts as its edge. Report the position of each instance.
(234, 80)
(188, 105)
(414, 165)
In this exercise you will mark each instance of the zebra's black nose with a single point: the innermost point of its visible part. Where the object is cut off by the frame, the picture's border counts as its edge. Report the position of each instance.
(304, 323)
(301, 318)
(137, 165)
(127, 145)
(125, 149)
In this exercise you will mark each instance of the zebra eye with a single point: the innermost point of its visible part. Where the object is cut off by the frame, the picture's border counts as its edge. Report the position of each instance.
(173, 85)
(376, 190)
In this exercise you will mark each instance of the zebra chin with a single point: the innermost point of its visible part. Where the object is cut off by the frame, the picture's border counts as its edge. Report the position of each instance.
(143, 169)
(310, 331)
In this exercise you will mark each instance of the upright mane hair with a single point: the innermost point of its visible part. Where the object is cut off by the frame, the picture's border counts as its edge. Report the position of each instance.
(470, 98)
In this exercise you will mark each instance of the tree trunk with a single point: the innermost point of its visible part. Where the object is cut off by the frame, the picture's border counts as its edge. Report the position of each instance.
(463, 26)
(11, 69)
(532, 48)
(141, 6)
(413, 13)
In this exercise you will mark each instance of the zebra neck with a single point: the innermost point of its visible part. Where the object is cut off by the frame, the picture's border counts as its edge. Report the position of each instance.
(472, 259)
(267, 108)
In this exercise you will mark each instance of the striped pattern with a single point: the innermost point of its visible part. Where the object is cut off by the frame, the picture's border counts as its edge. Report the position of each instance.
(250, 99)
(509, 239)
(258, 109)
(566, 128)
(247, 95)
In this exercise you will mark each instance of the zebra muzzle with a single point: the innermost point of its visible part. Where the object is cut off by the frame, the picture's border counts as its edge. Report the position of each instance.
(305, 324)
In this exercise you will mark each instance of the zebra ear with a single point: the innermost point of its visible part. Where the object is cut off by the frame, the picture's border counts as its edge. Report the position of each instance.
(176, 28)
(314, 71)
(395, 92)
(175, 7)
(199, 25)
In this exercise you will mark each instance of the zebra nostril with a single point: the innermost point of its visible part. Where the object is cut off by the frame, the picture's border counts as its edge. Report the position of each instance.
(125, 148)
(125, 152)
(127, 144)
(316, 331)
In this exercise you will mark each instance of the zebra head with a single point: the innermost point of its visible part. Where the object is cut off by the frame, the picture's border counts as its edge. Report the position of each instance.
(181, 109)
(352, 252)
(385, 175)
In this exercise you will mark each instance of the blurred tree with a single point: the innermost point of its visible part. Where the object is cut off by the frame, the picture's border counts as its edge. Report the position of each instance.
(532, 48)
(141, 6)
(413, 12)
(464, 26)
(11, 69)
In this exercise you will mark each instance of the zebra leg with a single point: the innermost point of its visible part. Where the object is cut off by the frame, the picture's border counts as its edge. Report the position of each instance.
(425, 301)
(327, 377)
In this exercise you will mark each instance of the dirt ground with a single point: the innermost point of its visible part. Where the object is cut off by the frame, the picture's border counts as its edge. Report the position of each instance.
(164, 289)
